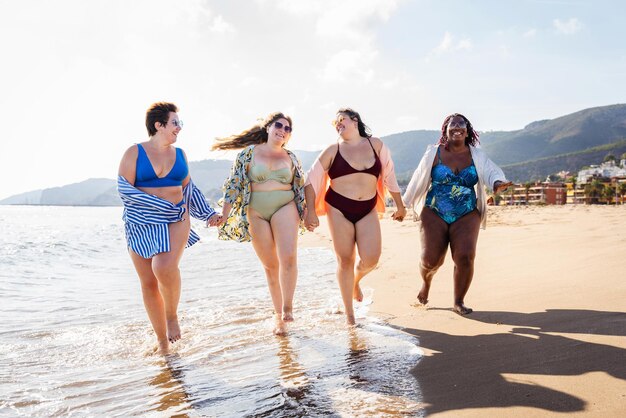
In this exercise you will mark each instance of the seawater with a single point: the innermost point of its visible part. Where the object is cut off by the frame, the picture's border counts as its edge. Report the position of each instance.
(75, 339)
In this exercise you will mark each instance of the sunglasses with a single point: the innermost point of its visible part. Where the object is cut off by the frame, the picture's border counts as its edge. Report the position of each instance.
(340, 119)
(279, 125)
(460, 124)
(177, 123)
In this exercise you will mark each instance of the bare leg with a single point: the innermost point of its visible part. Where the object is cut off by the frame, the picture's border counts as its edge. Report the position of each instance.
(368, 242)
(343, 234)
(152, 299)
(434, 240)
(265, 248)
(165, 268)
(463, 239)
(284, 225)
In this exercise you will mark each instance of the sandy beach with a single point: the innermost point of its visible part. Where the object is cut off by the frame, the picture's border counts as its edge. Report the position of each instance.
(547, 335)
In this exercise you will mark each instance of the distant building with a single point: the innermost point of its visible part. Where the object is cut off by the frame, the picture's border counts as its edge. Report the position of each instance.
(608, 174)
(606, 170)
(545, 193)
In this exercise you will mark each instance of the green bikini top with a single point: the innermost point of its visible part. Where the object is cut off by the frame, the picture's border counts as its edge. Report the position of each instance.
(260, 173)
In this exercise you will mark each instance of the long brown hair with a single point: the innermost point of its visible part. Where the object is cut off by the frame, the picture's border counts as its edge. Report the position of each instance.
(257, 134)
(364, 130)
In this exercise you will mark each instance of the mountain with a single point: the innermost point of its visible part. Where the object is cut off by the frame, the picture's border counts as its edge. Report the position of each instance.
(524, 154)
(208, 175)
(544, 147)
(571, 133)
(540, 168)
(92, 192)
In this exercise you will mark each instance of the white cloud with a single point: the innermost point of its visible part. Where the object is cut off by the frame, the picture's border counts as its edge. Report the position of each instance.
(351, 19)
(350, 64)
(465, 44)
(448, 44)
(249, 81)
(219, 25)
(299, 8)
(390, 84)
(504, 51)
(530, 33)
(567, 28)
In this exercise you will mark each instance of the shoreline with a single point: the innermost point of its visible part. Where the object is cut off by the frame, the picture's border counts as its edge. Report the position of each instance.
(547, 332)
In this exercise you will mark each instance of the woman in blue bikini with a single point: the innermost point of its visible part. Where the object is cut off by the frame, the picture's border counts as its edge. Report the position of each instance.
(264, 203)
(443, 191)
(159, 196)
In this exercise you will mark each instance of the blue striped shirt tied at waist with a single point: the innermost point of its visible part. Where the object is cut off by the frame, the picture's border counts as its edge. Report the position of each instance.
(146, 217)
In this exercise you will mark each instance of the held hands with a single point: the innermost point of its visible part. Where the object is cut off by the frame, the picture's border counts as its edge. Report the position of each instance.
(311, 221)
(500, 186)
(217, 219)
(399, 214)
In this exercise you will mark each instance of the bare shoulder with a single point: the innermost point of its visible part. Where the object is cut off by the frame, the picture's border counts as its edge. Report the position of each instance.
(127, 165)
(329, 151)
(131, 152)
(327, 155)
(377, 143)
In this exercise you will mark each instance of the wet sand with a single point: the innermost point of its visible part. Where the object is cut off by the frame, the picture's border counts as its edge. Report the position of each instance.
(547, 335)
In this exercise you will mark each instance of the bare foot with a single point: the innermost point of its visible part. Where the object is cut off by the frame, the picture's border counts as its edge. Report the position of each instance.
(357, 293)
(279, 327)
(287, 316)
(350, 319)
(164, 347)
(173, 330)
(280, 330)
(461, 309)
(422, 296)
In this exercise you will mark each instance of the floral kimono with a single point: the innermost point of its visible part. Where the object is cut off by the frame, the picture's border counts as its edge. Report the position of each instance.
(237, 192)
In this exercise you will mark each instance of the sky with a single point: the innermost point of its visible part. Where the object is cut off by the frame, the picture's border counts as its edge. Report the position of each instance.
(77, 76)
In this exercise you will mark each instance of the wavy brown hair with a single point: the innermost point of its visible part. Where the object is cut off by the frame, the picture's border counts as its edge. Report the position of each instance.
(470, 139)
(364, 130)
(257, 134)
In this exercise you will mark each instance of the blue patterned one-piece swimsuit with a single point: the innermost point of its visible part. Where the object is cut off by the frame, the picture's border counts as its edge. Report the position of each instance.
(452, 195)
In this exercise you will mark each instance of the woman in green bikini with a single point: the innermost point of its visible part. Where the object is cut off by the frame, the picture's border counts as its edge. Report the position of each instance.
(264, 203)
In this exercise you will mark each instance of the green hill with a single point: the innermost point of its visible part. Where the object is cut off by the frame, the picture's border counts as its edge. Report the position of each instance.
(548, 138)
(517, 151)
(539, 169)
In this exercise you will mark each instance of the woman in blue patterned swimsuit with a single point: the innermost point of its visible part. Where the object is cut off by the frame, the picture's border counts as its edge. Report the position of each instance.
(442, 190)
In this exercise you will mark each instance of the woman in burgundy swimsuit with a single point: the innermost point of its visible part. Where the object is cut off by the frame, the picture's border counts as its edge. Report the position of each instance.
(347, 182)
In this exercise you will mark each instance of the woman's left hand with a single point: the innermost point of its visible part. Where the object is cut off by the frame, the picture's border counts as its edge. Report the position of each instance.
(215, 220)
(500, 186)
(399, 214)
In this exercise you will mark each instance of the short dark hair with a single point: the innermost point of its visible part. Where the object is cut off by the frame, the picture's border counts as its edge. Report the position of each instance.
(158, 112)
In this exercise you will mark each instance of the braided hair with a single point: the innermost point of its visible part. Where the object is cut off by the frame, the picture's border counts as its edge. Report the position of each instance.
(470, 139)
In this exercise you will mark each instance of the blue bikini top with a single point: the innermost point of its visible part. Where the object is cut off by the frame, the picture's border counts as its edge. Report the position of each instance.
(146, 177)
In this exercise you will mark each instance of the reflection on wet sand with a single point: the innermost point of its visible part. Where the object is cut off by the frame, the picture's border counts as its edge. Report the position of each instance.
(170, 384)
(293, 377)
(357, 356)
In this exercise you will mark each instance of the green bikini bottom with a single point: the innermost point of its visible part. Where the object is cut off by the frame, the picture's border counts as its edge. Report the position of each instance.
(267, 203)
